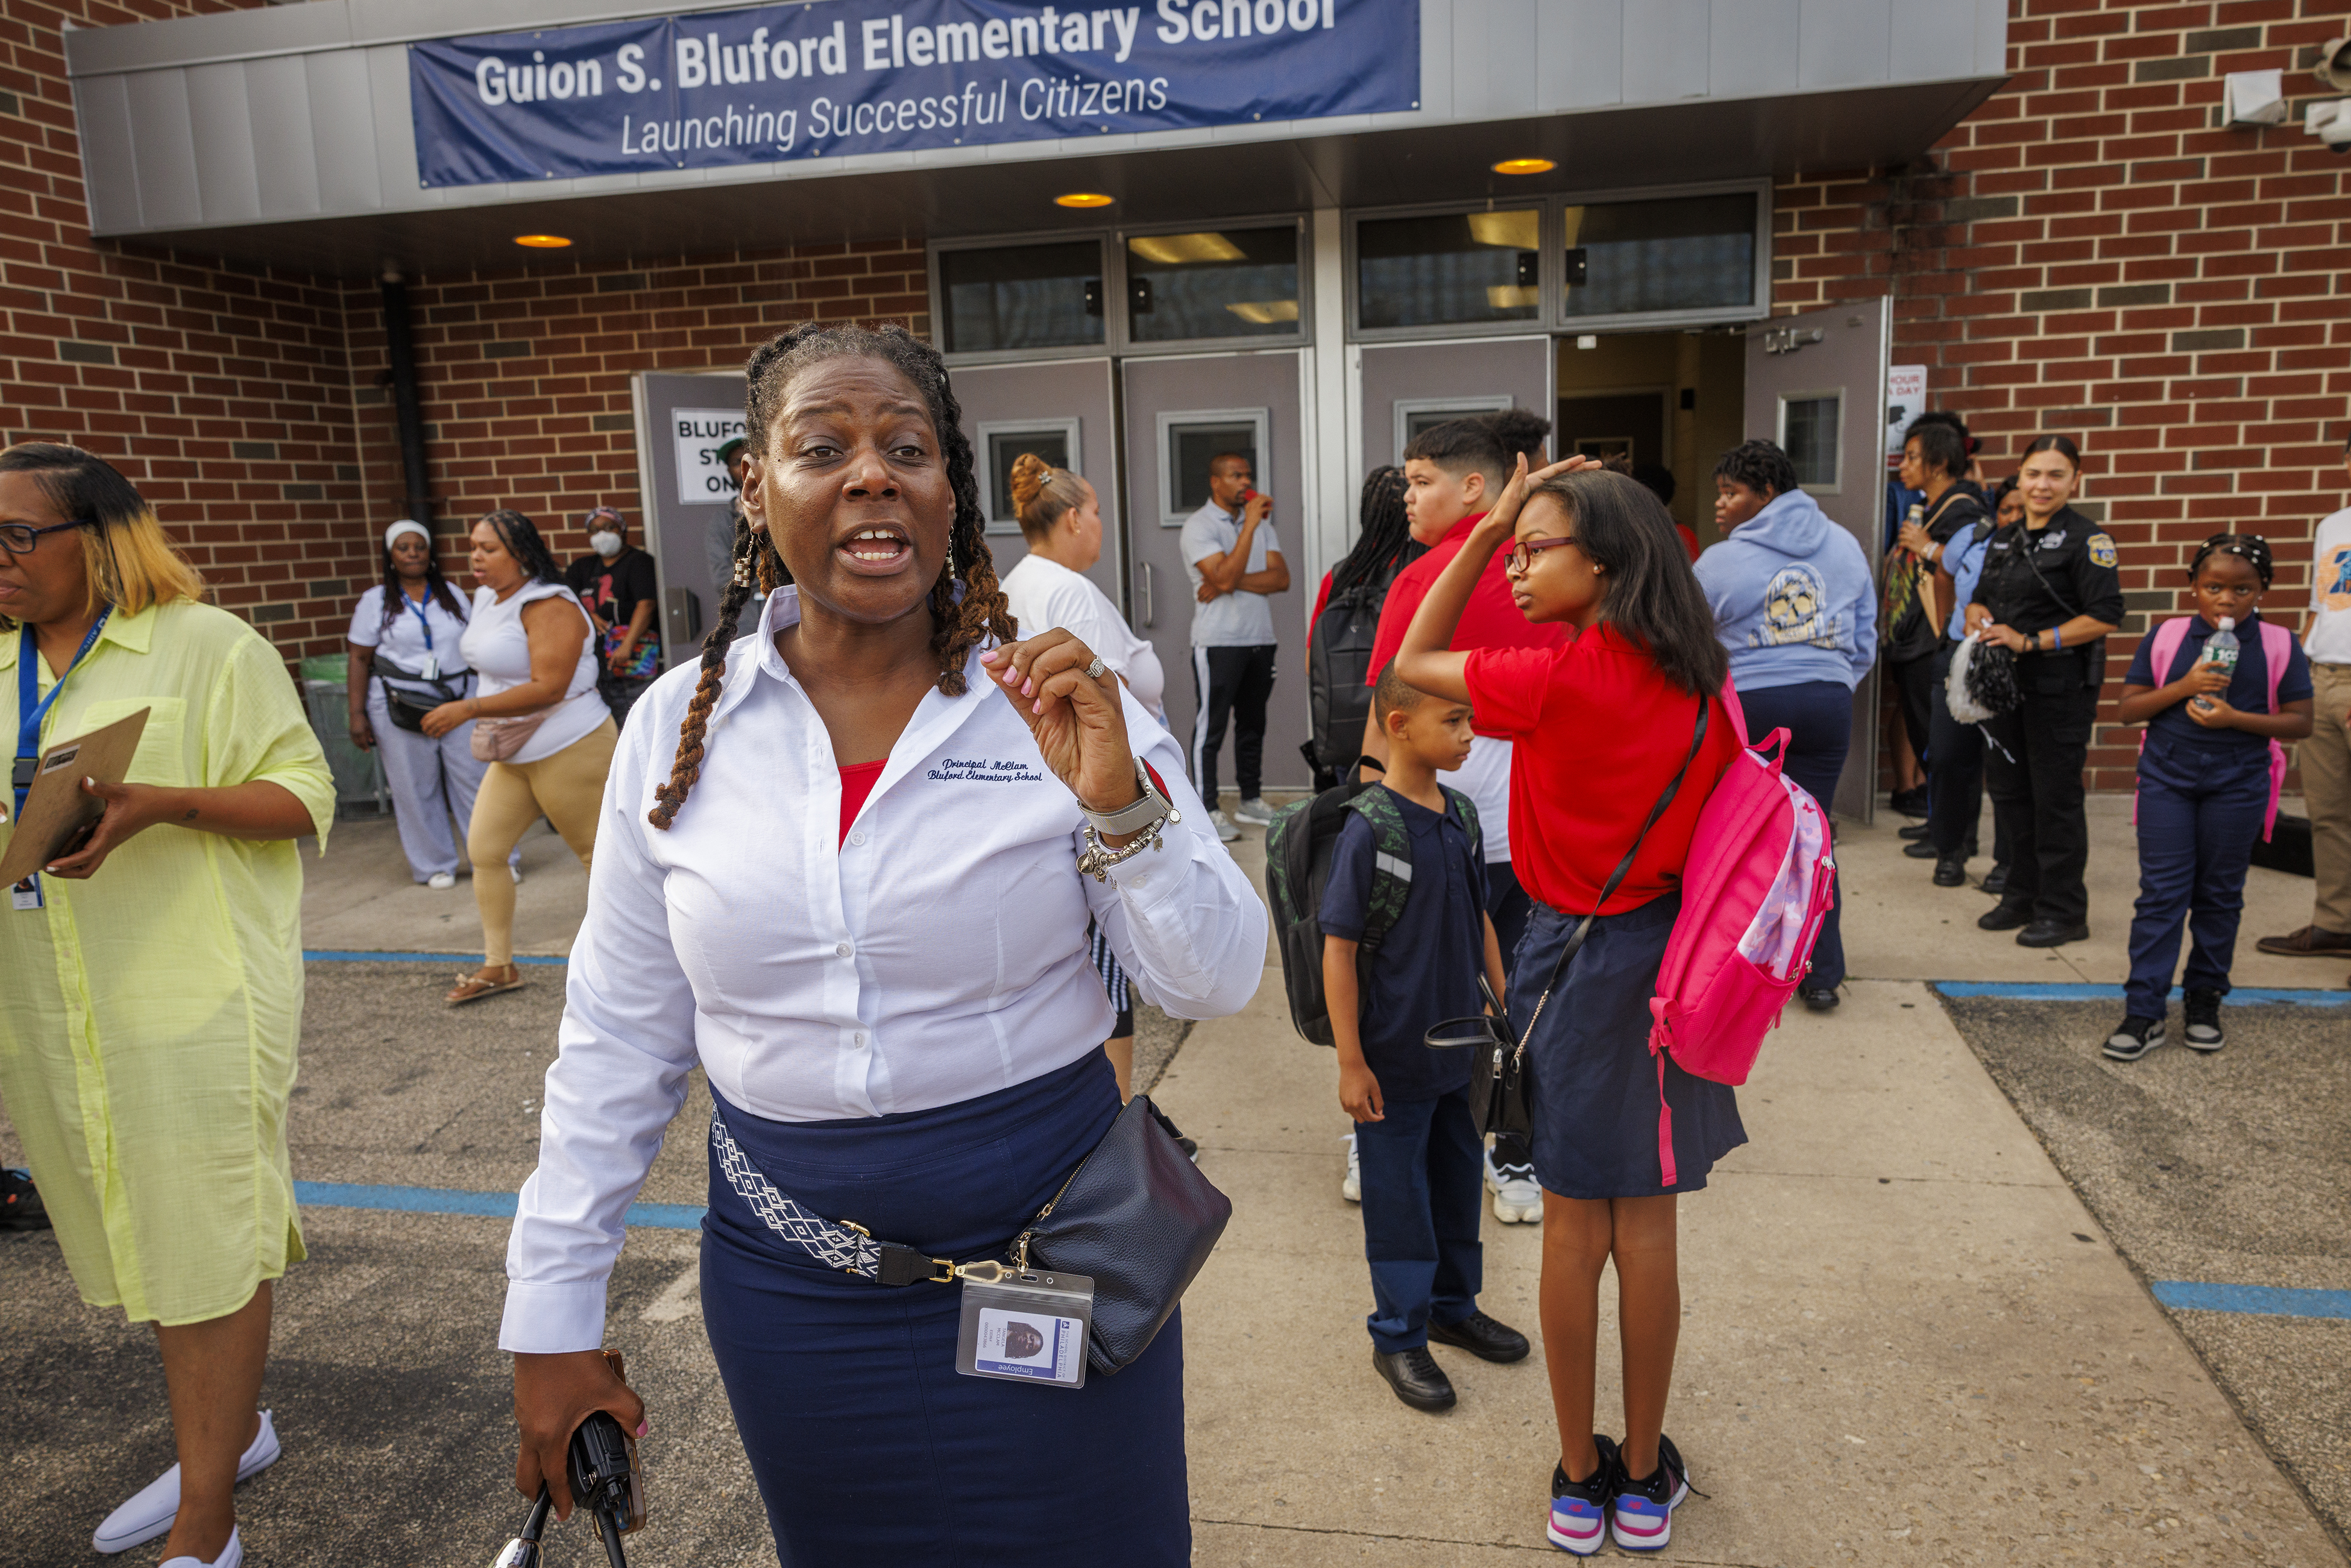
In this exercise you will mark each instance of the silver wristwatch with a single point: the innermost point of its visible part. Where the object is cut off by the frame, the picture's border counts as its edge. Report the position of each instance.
(1135, 818)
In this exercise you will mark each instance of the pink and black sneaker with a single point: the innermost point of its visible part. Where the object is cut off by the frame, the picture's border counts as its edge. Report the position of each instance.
(1645, 1509)
(1579, 1510)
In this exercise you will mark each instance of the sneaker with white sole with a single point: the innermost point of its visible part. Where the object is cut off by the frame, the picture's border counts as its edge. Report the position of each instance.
(1518, 1197)
(2134, 1037)
(1579, 1510)
(1642, 1511)
(2203, 1031)
(1352, 1188)
(1225, 831)
(515, 872)
(1253, 809)
(442, 881)
(231, 1556)
(149, 1513)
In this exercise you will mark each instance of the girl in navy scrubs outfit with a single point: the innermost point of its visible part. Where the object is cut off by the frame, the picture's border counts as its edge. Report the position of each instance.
(2203, 792)
(1601, 724)
(837, 868)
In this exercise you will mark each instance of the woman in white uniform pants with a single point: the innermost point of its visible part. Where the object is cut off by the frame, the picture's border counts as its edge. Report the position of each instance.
(403, 640)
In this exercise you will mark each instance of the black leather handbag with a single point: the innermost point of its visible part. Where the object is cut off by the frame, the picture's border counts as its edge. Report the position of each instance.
(1139, 1219)
(406, 711)
(1502, 1092)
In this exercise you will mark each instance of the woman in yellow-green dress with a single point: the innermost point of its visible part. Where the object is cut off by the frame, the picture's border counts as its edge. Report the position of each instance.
(150, 977)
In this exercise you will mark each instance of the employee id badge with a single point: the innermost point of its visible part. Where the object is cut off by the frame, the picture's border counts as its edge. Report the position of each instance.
(26, 894)
(1029, 1327)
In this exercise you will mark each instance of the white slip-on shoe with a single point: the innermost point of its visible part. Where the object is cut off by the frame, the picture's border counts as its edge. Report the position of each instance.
(149, 1514)
(442, 881)
(231, 1556)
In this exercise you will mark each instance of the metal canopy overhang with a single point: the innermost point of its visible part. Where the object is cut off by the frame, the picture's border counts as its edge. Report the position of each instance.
(1657, 144)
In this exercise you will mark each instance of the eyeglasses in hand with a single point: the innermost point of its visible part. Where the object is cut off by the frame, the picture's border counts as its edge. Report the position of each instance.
(19, 539)
(1521, 558)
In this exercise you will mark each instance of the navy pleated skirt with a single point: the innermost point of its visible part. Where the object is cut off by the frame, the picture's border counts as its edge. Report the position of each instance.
(1596, 1084)
(867, 1444)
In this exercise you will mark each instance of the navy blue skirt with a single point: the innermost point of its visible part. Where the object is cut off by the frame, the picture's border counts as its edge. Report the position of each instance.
(1596, 1084)
(867, 1444)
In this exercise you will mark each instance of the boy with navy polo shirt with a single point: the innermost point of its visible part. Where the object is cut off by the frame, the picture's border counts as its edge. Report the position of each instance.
(1421, 1159)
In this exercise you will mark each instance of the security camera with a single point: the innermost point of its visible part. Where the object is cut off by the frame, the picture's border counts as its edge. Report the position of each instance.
(2334, 66)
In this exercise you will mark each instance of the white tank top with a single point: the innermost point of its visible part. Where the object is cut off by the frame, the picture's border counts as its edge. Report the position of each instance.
(498, 649)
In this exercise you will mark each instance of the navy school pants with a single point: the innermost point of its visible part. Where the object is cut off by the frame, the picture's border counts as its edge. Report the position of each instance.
(868, 1445)
(2198, 813)
(1423, 1168)
(1818, 717)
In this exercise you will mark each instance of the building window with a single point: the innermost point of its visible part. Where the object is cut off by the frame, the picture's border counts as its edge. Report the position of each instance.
(1001, 442)
(1674, 253)
(1452, 269)
(1809, 427)
(1225, 283)
(1021, 296)
(1190, 441)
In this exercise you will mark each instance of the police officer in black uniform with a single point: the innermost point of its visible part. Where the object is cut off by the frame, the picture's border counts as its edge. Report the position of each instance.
(2050, 592)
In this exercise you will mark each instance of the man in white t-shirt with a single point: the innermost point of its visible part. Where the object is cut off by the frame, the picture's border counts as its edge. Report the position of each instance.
(2325, 757)
(1234, 562)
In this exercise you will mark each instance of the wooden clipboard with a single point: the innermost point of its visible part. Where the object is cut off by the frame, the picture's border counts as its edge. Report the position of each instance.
(56, 810)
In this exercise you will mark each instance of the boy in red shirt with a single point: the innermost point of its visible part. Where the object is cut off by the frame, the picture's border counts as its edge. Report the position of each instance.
(1452, 474)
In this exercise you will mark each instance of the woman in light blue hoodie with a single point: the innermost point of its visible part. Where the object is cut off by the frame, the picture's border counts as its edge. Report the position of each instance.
(1795, 602)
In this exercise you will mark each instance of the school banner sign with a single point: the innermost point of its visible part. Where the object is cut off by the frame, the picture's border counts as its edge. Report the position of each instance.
(775, 82)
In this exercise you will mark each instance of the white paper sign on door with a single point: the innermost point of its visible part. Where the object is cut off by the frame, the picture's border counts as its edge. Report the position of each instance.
(702, 478)
(1905, 400)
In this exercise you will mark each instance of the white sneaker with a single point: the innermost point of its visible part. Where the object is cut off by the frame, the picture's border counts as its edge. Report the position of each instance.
(1225, 831)
(442, 881)
(149, 1513)
(515, 872)
(1253, 809)
(1352, 1188)
(1518, 1198)
(231, 1556)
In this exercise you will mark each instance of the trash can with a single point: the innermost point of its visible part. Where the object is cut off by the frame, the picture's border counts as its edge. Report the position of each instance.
(359, 775)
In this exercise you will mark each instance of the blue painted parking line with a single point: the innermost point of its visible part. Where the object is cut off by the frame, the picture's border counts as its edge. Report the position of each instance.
(484, 1205)
(2034, 992)
(335, 956)
(2260, 1301)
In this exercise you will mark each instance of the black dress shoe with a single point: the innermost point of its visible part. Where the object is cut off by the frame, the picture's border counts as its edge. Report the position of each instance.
(2052, 934)
(1482, 1337)
(1950, 873)
(1909, 802)
(1995, 881)
(1416, 1378)
(2005, 917)
(1820, 998)
(1913, 831)
(1919, 850)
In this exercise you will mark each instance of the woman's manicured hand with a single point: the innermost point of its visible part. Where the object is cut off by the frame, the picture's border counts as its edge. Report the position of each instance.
(130, 809)
(449, 715)
(1078, 719)
(552, 1395)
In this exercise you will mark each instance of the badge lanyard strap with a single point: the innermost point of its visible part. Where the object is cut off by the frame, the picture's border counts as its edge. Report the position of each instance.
(421, 619)
(30, 712)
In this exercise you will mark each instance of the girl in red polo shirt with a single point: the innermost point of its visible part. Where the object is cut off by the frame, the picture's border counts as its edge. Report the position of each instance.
(1601, 724)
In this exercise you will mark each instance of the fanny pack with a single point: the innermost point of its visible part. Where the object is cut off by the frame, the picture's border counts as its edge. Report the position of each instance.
(404, 706)
(1135, 1216)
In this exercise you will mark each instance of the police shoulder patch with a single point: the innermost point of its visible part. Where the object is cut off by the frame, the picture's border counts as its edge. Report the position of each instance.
(2102, 550)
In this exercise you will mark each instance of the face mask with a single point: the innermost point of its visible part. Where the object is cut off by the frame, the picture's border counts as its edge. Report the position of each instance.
(606, 544)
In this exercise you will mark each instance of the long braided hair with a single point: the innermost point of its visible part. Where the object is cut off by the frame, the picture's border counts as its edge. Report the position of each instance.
(965, 604)
(1385, 547)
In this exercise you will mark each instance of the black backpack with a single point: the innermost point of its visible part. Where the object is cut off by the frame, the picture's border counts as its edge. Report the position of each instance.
(1298, 847)
(1338, 675)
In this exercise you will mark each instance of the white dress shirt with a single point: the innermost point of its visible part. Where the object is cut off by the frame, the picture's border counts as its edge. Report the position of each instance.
(937, 953)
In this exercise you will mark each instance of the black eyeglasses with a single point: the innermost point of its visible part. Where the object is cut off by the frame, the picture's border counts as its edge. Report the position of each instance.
(1521, 558)
(19, 539)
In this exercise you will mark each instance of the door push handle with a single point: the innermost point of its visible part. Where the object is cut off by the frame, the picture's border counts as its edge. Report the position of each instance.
(1788, 339)
(1148, 617)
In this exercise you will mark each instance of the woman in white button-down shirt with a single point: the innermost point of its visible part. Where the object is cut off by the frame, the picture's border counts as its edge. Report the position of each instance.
(849, 891)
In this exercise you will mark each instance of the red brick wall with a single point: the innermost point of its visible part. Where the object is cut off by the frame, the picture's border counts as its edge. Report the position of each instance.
(224, 396)
(524, 370)
(2093, 254)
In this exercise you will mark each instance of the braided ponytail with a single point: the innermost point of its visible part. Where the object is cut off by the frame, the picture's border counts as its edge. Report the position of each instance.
(966, 604)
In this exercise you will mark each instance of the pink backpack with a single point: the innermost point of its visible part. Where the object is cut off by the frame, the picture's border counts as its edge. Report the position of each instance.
(2277, 651)
(1759, 881)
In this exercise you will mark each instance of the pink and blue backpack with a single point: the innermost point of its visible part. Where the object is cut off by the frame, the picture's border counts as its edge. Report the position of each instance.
(2277, 651)
(1760, 880)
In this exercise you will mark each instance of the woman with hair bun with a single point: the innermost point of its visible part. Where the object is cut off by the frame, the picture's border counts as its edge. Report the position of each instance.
(151, 978)
(847, 866)
(1062, 520)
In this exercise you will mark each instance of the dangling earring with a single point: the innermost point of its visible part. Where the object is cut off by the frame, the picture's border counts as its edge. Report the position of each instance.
(743, 570)
(951, 567)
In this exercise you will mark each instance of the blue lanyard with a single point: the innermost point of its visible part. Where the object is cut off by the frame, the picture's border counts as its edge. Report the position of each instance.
(30, 713)
(421, 620)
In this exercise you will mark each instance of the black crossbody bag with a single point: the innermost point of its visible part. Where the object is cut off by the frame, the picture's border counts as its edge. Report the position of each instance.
(1501, 1097)
(405, 710)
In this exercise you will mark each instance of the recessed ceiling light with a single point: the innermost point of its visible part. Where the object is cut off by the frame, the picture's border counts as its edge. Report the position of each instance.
(542, 241)
(1083, 199)
(1525, 166)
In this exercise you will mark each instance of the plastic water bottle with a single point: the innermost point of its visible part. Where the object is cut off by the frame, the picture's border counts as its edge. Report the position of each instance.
(2221, 652)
